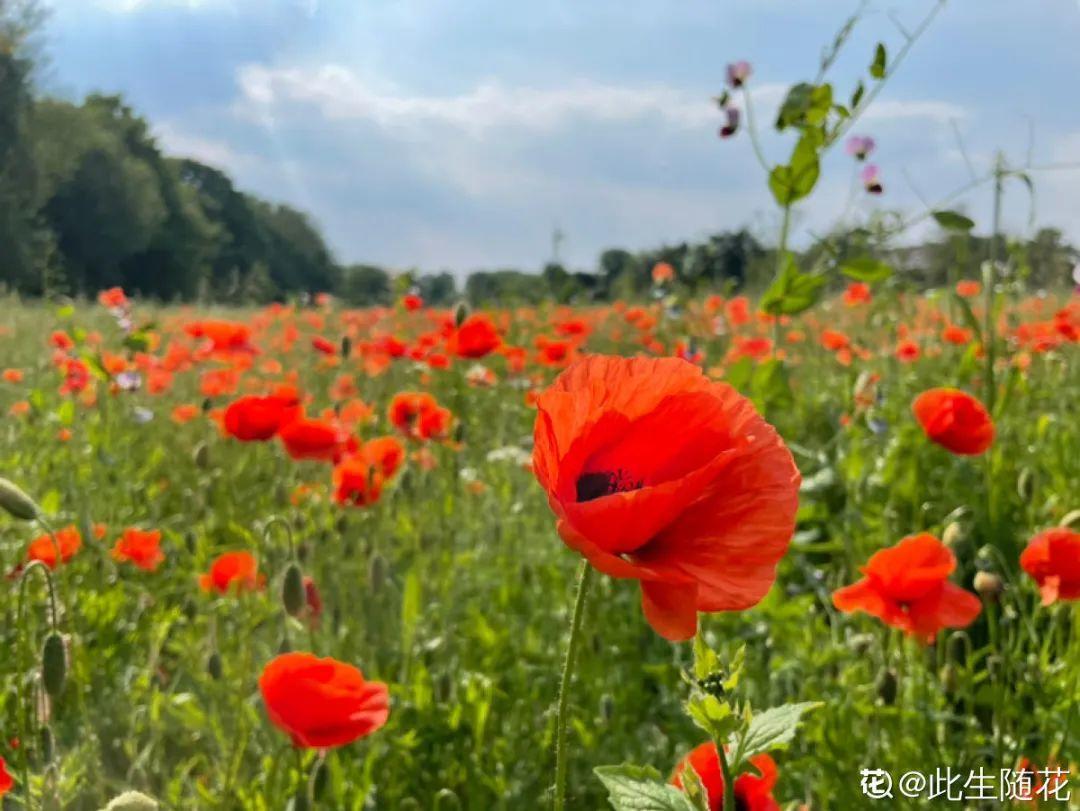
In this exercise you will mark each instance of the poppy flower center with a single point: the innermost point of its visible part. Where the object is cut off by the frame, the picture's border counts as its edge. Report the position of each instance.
(604, 483)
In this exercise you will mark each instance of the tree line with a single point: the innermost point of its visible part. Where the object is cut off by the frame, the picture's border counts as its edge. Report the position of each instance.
(88, 200)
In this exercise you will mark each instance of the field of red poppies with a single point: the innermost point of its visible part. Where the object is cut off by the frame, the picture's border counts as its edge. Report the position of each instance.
(410, 558)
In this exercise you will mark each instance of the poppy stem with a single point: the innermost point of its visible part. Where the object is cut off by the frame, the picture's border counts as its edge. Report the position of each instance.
(584, 580)
(729, 783)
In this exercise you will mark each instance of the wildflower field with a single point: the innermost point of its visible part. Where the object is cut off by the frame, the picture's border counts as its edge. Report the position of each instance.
(202, 498)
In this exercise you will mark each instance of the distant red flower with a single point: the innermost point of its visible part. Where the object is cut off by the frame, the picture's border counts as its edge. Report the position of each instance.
(141, 548)
(907, 586)
(418, 415)
(907, 351)
(7, 783)
(320, 440)
(834, 340)
(61, 340)
(1052, 559)
(313, 601)
(475, 338)
(322, 703)
(753, 792)
(357, 481)
(386, 453)
(857, 293)
(224, 337)
(955, 420)
(257, 419)
(232, 571)
(69, 540)
(76, 376)
(13, 375)
(968, 288)
(959, 336)
(321, 344)
(700, 519)
(185, 412)
(113, 298)
(662, 273)
(412, 302)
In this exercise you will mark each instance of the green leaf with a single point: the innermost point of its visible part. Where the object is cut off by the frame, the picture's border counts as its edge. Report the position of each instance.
(641, 788)
(797, 179)
(706, 662)
(968, 315)
(953, 221)
(877, 67)
(793, 291)
(796, 103)
(866, 269)
(821, 99)
(714, 716)
(857, 96)
(770, 385)
(137, 342)
(769, 729)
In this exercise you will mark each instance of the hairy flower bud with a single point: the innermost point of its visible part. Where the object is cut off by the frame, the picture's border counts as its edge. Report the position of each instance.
(16, 502)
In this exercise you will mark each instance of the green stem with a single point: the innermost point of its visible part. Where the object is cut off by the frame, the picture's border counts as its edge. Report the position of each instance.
(584, 579)
(729, 783)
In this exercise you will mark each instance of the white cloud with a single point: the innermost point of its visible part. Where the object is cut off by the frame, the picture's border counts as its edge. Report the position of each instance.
(179, 143)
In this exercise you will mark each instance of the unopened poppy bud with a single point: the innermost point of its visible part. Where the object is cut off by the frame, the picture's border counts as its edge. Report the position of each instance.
(346, 346)
(320, 776)
(201, 456)
(53, 664)
(985, 555)
(292, 590)
(1071, 520)
(409, 804)
(987, 584)
(1025, 484)
(607, 707)
(447, 800)
(377, 573)
(213, 666)
(461, 313)
(300, 800)
(886, 686)
(948, 678)
(207, 405)
(132, 801)
(954, 535)
(16, 502)
(342, 524)
(45, 741)
(993, 665)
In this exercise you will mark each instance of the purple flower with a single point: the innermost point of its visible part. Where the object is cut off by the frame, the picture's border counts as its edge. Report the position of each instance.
(871, 179)
(738, 73)
(129, 381)
(731, 125)
(860, 146)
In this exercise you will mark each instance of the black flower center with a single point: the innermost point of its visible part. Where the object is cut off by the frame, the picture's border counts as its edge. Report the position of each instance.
(603, 483)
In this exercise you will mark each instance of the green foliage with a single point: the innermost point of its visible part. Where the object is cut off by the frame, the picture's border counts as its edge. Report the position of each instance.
(635, 788)
(866, 269)
(953, 221)
(793, 291)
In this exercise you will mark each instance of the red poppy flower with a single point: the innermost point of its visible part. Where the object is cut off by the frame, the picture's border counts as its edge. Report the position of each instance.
(954, 420)
(6, 781)
(857, 293)
(1052, 558)
(357, 481)
(753, 792)
(257, 419)
(907, 351)
(323, 345)
(320, 440)
(232, 571)
(226, 337)
(140, 548)
(385, 453)
(968, 288)
(61, 340)
(42, 548)
(113, 298)
(907, 586)
(13, 376)
(662, 272)
(418, 415)
(322, 703)
(700, 519)
(412, 302)
(475, 338)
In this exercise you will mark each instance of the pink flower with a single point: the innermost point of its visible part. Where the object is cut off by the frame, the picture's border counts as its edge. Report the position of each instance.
(860, 146)
(738, 73)
(731, 125)
(871, 179)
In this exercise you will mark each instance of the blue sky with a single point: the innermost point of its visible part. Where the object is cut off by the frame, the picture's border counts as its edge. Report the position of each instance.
(457, 133)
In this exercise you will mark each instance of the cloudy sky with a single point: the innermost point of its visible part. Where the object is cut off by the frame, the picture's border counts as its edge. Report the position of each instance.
(458, 133)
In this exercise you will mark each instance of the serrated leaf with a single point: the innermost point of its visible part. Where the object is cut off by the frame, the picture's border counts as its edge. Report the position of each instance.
(713, 715)
(768, 729)
(641, 788)
(866, 269)
(794, 181)
(706, 662)
(793, 291)
(694, 789)
(877, 67)
(953, 221)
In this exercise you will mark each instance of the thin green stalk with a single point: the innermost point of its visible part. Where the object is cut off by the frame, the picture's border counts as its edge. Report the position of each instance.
(584, 580)
(729, 783)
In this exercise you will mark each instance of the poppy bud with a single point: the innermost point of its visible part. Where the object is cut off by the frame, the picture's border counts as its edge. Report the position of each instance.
(132, 801)
(207, 405)
(607, 707)
(201, 456)
(444, 685)
(448, 800)
(987, 584)
(320, 776)
(300, 800)
(461, 313)
(53, 664)
(213, 666)
(886, 686)
(1025, 484)
(342, 524)
(377, 573)
(993, 665)
(17, 503)
(346, 346)
(954, 535)
(45, 740)
(948, 678)
(292, 590)
(1071, 520)
(408, 804)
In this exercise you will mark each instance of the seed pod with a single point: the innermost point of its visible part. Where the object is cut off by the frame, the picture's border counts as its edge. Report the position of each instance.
(320, 776)
(201, 456)
(53, 664)
(887, 686)
(346, 346)
(45, 741)
(16, 502)
(214, 666)
(987, 584)
(948, 678)
(292, 590)
(461, 313)
(1025, 484)
(1071, 520)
